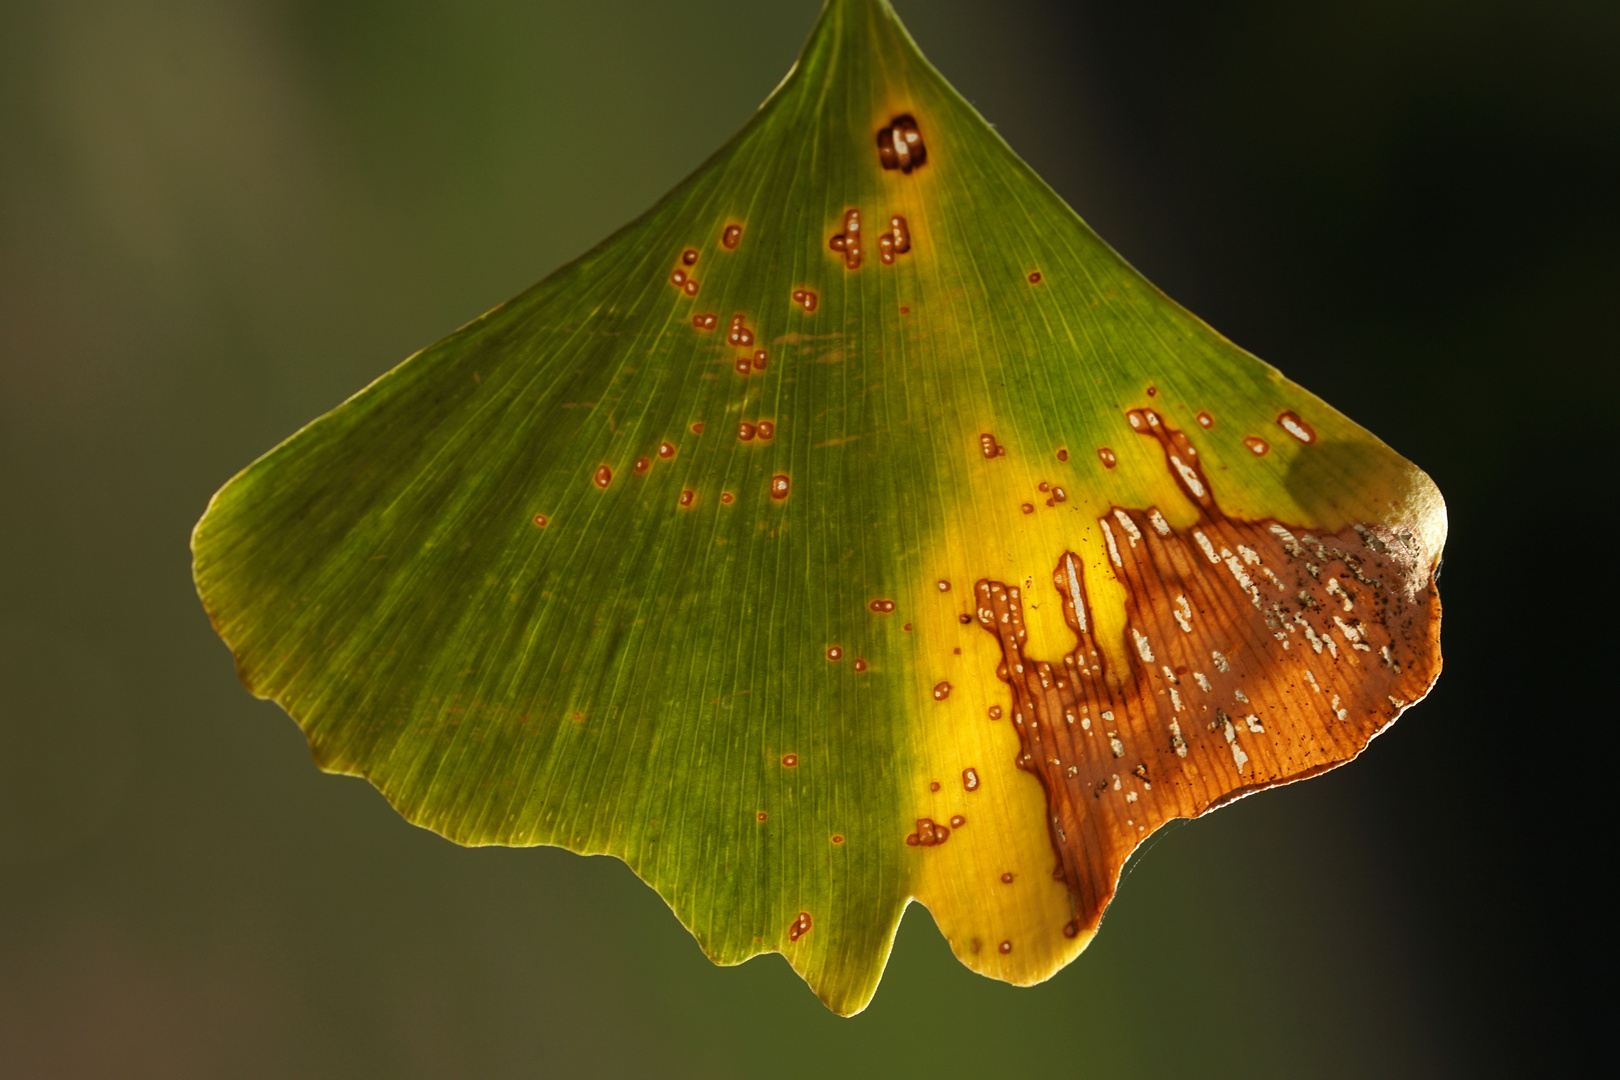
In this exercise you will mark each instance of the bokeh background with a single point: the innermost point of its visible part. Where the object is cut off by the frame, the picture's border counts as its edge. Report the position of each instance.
(218, 219)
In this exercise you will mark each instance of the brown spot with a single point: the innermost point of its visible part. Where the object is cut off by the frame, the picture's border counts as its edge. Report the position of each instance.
(1106, 456)
(742, 367)
(933, 785)
(1206, 421)
(759, 359)
(790, 760)
(1071, 928)
(697, 428)
(800, 926)
(689, 256)
(957, 821)
(805, 299)
(928, 834)
(906, 628)
(761, 815)
(666, 450)
(704, 321)
(729, 238)
(677, 277)
(881, 607)
(989, 447)
(1257, 446)
(688, 496)
(838, 838)
(900, 145)
(1299, 429)
(860, 664)
(995, 712)
(727, 497)
(1034, 277)
(1043, 486)
(603, 477)
(1244, 668)
(974, 946)
(835, 653)
(541, 520)
(904, 310)
(944, 586)
(691, 287)
(779, 486)
(849, 242)
(970, 779)
(942, 691)
(1028, 508)
(1152, 390)
(1005, 947)
(745, 431)
(643, 464)
(767, 430)
(1007, 878)
(1062, 454)
(739, 334)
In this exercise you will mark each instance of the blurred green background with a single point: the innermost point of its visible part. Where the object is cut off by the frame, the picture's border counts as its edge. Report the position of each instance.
(217, 220)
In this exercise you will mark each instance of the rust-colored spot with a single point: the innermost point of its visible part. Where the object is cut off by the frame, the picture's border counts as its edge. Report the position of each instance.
(1256, 653)
(691, 287)
(838, 838)
(1257, 446)
(643, 464)
(964, 618)
(970, 779)
(805, 299)
(729, 238)
(677, 277)
(790, 760)
(689, 256)
(1028, 508)
(1206, 421)
(933, 785)
(1106, 456)
(759, 359)
(697, 428)
(779, 487)
(906, 628)
(860, 664)
(1299, 429)
(603, 477)
(849, 242)
(727, 497)
(995, 712)
(928, 834)
(989, 447)
(800, 926)
(957, 821)
(742, 366)
(881, 607)
(1062, 454)
(704, 321)
(904, 310)
(767, 430)
(541, 520)
(944, 586)
(745, 431)
(1034, 277)
(835, 653)
(762, 815)
(740, 334)
(688, 496)
(1071, 928)
(1152, 390)
(974, 946)
(1005, 947)
(942, 691)
(1059, 495)
(900, 144)
(1043, 486)
(666, 450)
(1007, 878)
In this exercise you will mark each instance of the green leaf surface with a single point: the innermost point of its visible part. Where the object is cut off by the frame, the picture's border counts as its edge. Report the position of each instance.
(698, 552)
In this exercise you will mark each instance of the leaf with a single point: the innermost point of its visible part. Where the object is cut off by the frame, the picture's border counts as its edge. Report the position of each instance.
(854, 527)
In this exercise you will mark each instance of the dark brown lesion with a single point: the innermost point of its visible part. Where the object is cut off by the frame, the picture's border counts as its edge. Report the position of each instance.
(1257, 653)
(900, 144)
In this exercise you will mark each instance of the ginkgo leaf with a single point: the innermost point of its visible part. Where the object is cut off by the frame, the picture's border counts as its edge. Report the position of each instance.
(854, 527)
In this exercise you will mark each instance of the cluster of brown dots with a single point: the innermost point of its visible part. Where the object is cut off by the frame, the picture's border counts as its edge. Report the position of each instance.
(704, 320)
(848, 242)
(681, 276)
(730, 237)
(900, 144)
(805, 298)
(989, 447)
(881, 607)
(800, 926)
(897, 241)
(929, 834)
(739, 333)
(995, 712)
(746, 364)
(747, 432)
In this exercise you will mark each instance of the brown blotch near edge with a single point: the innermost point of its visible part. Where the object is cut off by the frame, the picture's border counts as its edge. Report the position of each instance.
(800, 926)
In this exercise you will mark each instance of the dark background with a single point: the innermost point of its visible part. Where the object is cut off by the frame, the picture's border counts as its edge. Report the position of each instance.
(219, 219)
